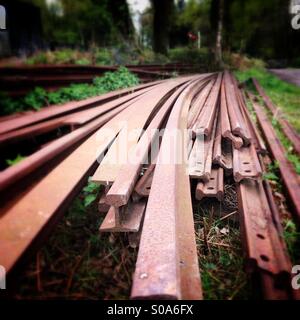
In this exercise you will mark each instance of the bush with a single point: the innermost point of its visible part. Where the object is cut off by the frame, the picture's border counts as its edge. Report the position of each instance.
(241, 62)
(62, 56)
(190, 55)
(103, 57)
(116, 80)
(149, 57)
(37, 98)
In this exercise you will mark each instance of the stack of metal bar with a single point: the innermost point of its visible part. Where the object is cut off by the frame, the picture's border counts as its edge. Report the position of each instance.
(169, 133)
(224, 139)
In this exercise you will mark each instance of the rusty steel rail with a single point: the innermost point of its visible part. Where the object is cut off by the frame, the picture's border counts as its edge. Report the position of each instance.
(55, 110)
(152, 203)
(62, 183)
(225, 125)
(214, 188)
(73, 120)
(289, 177)
(206, 119)
(237, 122)
(167, 264)
(109, 167)
(19, 80)
(13, 174)
(264, 245)
(222, 155)
(255, 135)
(123, 186)
(201, 156)
(124, 219)
(278, 115)
(198, 102)
(246, 164)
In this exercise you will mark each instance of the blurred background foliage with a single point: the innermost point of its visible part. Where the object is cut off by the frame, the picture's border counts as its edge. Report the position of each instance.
(169, 30)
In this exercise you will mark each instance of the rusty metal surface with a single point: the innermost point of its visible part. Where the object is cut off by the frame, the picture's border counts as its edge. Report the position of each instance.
(289, 177)
(77, 118)
(127, 219)
(200, 159)
(255, 135)
(103, 207)
(143, 185)
(112, 163)
(124, 183)
(207, 116)
(287, 129)
(237, 123)
(30, 132)
(22, 169)
(199, 102)
(167, 264)
(19, 231)
(222, 152)
(55, 110)
(246, 164)
(17, 81)
(214, 188)
(264, 246)
(224, 118)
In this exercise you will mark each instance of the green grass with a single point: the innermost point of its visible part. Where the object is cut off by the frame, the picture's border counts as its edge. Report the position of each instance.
(284, 95)
(122, 78)
(18, 158)
(292, 239)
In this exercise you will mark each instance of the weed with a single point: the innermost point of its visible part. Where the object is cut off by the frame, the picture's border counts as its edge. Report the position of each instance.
(287, 95)
(11, 162)
(284, 95)
(91, 192)
(37, 98)
(292, 239)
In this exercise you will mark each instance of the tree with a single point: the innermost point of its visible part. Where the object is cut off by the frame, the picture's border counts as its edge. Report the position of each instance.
(218, 49)
(163, 10)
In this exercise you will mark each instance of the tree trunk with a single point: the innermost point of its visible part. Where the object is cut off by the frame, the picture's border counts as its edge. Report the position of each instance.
(161, 24)
(218, 49)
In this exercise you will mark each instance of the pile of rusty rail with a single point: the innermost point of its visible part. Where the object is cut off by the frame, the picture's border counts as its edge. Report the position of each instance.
(19, 80)
(148, 146)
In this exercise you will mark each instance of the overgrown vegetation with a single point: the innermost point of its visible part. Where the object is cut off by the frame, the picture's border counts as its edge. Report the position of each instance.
(190, 55)
(242, 62)
(95, 56)
(291, 234)
(120, 56)
(122, 78)
(284, 95)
